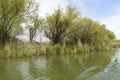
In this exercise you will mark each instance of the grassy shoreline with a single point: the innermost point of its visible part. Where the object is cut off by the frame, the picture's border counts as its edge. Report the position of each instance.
(16, 50)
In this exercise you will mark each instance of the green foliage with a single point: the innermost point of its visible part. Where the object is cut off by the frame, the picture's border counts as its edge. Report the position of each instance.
(68, 26)
(59, 23)
(90, 32)
(12, 12)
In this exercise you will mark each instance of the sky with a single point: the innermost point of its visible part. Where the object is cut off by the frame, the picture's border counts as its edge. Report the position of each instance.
(104, 11)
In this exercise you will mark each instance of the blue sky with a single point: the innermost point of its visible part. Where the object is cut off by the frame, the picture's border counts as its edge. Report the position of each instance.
(104, 11)
(95, 8)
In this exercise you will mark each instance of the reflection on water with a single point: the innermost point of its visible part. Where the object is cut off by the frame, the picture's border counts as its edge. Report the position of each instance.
(111, 71)
(86, 66)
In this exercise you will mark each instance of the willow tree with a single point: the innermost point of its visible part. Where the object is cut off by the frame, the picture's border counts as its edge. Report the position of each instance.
(34, 26)
(59, 23)
(90, 32)
(11, 11)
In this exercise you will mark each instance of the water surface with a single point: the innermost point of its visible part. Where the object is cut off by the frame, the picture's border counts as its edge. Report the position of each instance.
(84, 66)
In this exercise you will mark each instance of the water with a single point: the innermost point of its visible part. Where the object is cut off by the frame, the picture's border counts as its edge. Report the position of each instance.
(86, 66)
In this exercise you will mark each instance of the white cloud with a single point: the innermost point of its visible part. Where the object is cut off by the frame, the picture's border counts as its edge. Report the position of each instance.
(112, 23)
(48, 6)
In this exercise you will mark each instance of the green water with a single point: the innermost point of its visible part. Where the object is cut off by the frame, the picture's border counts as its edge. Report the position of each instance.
(86, 66)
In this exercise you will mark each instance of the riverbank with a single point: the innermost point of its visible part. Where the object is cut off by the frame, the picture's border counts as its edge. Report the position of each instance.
(116, 43)
(36, 49)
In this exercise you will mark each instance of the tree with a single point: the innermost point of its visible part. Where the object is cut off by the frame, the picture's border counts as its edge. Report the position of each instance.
(34, 26)
(90, 32)
(59, 23)
(11, 11)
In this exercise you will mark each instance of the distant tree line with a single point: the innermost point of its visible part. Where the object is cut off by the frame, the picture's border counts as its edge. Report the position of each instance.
(69, 26)
(59, 27)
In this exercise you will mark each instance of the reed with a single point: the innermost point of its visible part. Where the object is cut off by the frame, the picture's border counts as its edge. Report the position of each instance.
(33, 49)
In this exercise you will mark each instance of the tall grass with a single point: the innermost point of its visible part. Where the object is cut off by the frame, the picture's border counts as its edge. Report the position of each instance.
(116, 43)
(33, 49)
